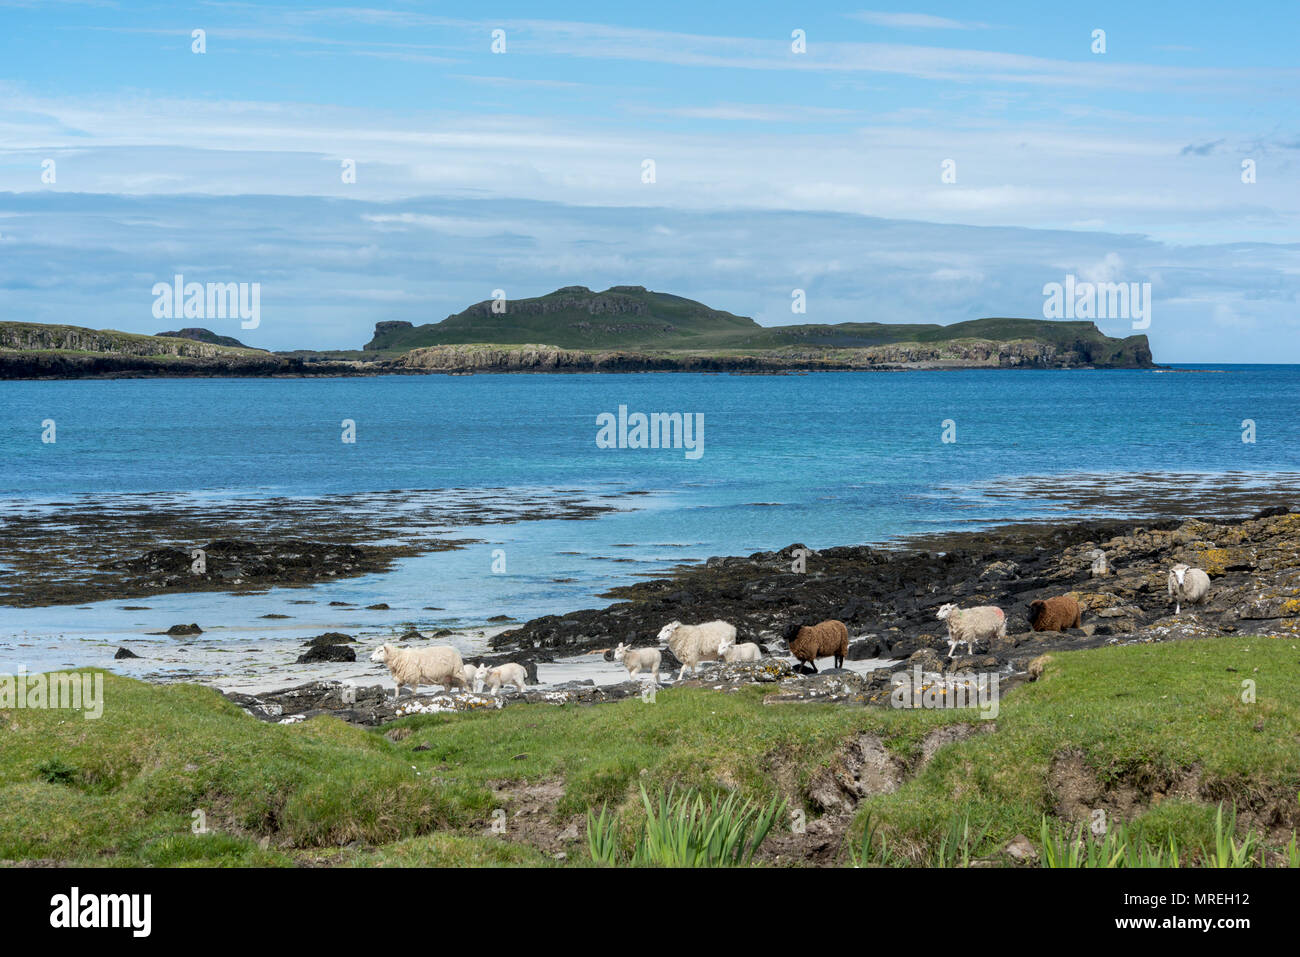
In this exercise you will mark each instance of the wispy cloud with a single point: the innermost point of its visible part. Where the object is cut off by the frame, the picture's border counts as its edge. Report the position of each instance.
(914, 21)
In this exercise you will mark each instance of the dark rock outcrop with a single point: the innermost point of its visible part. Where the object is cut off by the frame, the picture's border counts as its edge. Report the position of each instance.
(888, 598)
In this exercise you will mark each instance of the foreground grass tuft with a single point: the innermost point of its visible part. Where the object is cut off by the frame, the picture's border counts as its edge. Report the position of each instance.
(681, 829)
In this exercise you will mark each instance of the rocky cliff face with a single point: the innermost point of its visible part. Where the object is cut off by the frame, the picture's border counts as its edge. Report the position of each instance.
(970, 354)
(35, 351)
(34, 337)
(109, 365)
(550, 359)
(1127, 353)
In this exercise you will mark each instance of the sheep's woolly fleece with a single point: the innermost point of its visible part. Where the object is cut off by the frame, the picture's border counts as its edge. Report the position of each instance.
(826, 638)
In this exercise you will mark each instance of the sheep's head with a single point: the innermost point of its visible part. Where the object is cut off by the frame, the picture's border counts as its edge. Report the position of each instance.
(726, 644)
(1179, 571)
(1035, 609)
(480, 675)
(791, 631)
(381, 653)
(620, 651)
(666, 632)
(945, 611)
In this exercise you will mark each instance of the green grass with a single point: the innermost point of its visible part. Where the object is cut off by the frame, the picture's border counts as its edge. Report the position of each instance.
(681, 829)
(82, 790)
(122, 790)
(1139, 715)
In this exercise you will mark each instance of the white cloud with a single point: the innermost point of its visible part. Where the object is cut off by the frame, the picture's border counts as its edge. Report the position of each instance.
(914, 21)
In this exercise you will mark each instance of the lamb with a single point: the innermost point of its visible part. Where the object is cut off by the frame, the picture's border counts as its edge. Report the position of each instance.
(695, 643)
(1187, 584)
(969, 625)
(810, 642)
(469, 673)
(637, 660)
(413, 667)
(747, 651)
(506, 674)
(1055, 614)
(1100, 567)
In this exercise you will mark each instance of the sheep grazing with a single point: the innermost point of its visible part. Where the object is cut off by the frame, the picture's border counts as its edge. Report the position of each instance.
(1100, 567)
(469, 674)
(746, 651)
(810, 642)
(507, 674)
(637, 660)
(1055, 614)
(1187, 584)
(969, 625)
(695, 643)
(422, 666)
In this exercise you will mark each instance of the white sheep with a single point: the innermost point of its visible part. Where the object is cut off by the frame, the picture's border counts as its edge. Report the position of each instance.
(1187, 584)
(636, 660)
(469, 673)
(1100, 567)
(746, 651)
(506, 674)
(969, 625)
(695, 643)
(413, 667)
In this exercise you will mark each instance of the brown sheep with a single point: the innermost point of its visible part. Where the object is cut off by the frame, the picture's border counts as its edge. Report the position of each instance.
(810, 642)
(1055, 614)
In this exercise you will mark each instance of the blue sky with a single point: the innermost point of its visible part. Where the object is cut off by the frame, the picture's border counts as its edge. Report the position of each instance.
(774, 170)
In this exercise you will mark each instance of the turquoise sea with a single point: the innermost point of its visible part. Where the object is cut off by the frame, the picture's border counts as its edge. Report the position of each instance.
(822, 459)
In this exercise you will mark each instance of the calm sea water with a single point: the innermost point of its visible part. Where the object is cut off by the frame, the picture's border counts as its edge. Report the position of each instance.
(822, 459)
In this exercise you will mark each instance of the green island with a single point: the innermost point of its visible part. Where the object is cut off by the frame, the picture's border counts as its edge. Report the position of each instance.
(573, 329)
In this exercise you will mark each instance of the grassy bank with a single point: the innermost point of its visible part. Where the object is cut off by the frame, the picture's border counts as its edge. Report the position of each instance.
(1155, 735)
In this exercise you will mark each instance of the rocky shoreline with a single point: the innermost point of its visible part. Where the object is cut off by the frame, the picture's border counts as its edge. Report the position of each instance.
(888, 599)
(461, 360)
(143, 545)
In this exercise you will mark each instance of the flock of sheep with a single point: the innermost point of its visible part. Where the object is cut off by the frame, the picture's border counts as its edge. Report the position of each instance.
(716, 640)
